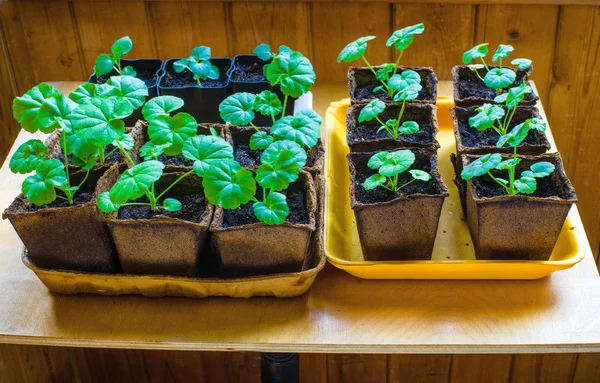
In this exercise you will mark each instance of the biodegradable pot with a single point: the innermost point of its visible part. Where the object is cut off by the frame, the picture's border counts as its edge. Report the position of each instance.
(523, 227)
(202, 103)
(162, 244)
(247, 246)
(247, 76)
(362, 81)
(60, 236)
(239, 137)
(148, 70)
(364, 137)
(399, 226)
(469, 90)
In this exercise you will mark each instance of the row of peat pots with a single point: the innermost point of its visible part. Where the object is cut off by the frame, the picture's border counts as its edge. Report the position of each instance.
(515, 195)
(172, 194)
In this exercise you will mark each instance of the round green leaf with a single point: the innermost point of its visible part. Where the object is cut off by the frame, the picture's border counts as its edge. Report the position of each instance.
(408, 93)
(260, 140)
(502, 52)
(161, 105)
(516, 94)
(501, 98)
(237, 109)
(201, 69)
(228, 184)
(377, 160)
(131, 89)
(526, 185)
(404, 37)
(105, 204)
(371, 110)
(279, 171)
(311, 115)
(499, 78)
(294, 73)
(354, 50)
(397, 162)
(213, 72)
(405, 79)
(267, 103)
(206, 151)
(515, 136)
(383, 73)
(39, 188)
(201, 53)
(171, 204)
(172, 131)
(150, 151)
(86, 163)
(298, 128)
(270, 154)
(55, 113)
(538, 124)
(486, 116)
(476, 52)
(420, 175)
(121, 47)
(95, 122)
(127, 142)
(78, 147)
(408, 127)
(180, 65)
(85, 92)
(28, 156)
(104, 64)
(508, 164)
(522, 64)
(27, 107)
(136, 181)
(273, 210)
(541, 169)
(129, 71)
(481, 166)
(374, 181)
(263, 51)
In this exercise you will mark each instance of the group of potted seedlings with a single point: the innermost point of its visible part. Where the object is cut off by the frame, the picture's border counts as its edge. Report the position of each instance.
(514, 195)
(166, 195)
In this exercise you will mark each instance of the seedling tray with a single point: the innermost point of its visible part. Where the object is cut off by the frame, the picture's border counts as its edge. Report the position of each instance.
(453, 254)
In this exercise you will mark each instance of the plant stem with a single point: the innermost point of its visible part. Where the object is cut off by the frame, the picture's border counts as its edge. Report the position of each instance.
(497, 181)
(397, 62)
(125, 153)
(407, 183)
(375, 73)
(254, 126)
(484, 64)
(173, 184)
(509, 120)
(84, 178)
(273, 118)
(64, 149)
(284, 106)
(511, 173)
(395, 135)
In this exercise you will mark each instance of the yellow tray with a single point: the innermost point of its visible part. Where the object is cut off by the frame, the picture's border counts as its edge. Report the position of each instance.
(453, 254)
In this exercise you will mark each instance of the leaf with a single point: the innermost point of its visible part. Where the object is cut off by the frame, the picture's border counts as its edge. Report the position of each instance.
(409, 93)
(104, 64)
(172, 131)
(408, 127)
(39, 188)
(213, 72)
(540, 170)
(181, 65)
(273, 210)
(161, 105)
(95, 122)
(475, 67)
(501, 98)
(378, 89)
(522, 64)
(481, 166)
(263, 51)
(383, 73)
(85, 92)
(136, 181)
(121, 47)
(171, 204)
(502, 52)
(299, 128)
(486, 116)
(237, 109)
(515, 136)
(294, 73)
(526, 185)
(397, 162)
(206, 151)
(201, 69)
(78, 147)
(420, 175)
(285, 50)
(516, 94)
(281, 163)
(127, 142)
(260, 140)
(228, 184)
(403, 80)
(404, 37)
(54, 113)
(371, 110)
(26, 108)
(311, 115)
(150, 151)
(377, 160)
(508, 164)
(129, 71)
(87, 162)
(374, 181)
(267, 103)
(478, 51)
(538, 124)
(131, 89)
(201, 53)
(105, 204)
(499, 78)
(28, 156)
(354, 50)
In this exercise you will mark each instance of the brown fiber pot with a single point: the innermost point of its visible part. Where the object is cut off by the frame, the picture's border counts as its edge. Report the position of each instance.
(404, 227)
(68, 238)
(363, 136)
(261, 248)
(362, 81)
(522, 226)
(161, 245)
(469, 90)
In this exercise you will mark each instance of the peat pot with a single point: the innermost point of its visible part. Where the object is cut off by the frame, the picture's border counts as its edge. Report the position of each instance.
(365, 137)
(201, 102)
(247, 246)
(362, 81)
(470, 90)
(60, 236)
(399, 226)
(523, 227)
(167, 243)
(148, 70)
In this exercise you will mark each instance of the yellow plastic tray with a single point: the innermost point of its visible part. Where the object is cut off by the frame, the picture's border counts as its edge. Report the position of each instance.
(453, 254)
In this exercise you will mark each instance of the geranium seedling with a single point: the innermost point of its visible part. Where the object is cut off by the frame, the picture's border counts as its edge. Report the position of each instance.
(107, 62)
(389, 166)
(199, 64)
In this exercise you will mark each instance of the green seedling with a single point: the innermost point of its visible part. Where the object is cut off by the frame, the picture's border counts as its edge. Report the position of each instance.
(199, 64)
(107, 62)
(400, 39)
(389, 166)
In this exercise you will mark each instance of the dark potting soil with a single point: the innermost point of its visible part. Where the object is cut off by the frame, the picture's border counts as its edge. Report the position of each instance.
(249, 69)
(296, 200)
(469, 85)
(380, 194)
(473, 138)
(248, 157)
(193, 206)
(114, 157)
(186, 79)
(366, 81)
(178, 160)
(149, 77)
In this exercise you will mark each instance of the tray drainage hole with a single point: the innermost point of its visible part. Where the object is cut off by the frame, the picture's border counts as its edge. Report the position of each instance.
(571, 228)
(466, 244)
(444, 231)
(447, 257)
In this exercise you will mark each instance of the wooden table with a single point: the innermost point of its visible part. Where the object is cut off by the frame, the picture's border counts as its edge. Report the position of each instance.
(341, 313)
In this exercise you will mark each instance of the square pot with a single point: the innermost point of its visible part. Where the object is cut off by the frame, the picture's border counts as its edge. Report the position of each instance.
(363, 136)
(202, 103)
(523, 227)
(362, 81)
(469, 90)
(258, 248)
(401, 226)
(69, 237)
(148, 70)
(162, 244)
(247, 76)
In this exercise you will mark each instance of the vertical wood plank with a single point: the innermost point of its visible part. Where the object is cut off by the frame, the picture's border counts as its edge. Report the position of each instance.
(587, 369)
(350, 368)
(480, 368)
(557, 368)
(336, 24)
(449, 31)
(419, 368)
(9, 129)
(313, 368)
(110, 365)
(180, 26)
(252, 23)
(531, 29)
(233, 367)
(574, 108)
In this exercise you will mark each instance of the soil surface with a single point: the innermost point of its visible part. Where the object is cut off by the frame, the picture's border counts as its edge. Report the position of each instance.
(248, 157)
(147, 76)
(114, 157)
(366, 82)
(184, 79)
(192, 210)
(249, 69)
(380, 194)
(178, 160)
(296, 200)
(469, 85)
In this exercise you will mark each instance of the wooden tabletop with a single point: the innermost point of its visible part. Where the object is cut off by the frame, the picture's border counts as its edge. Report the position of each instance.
(340, 313)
